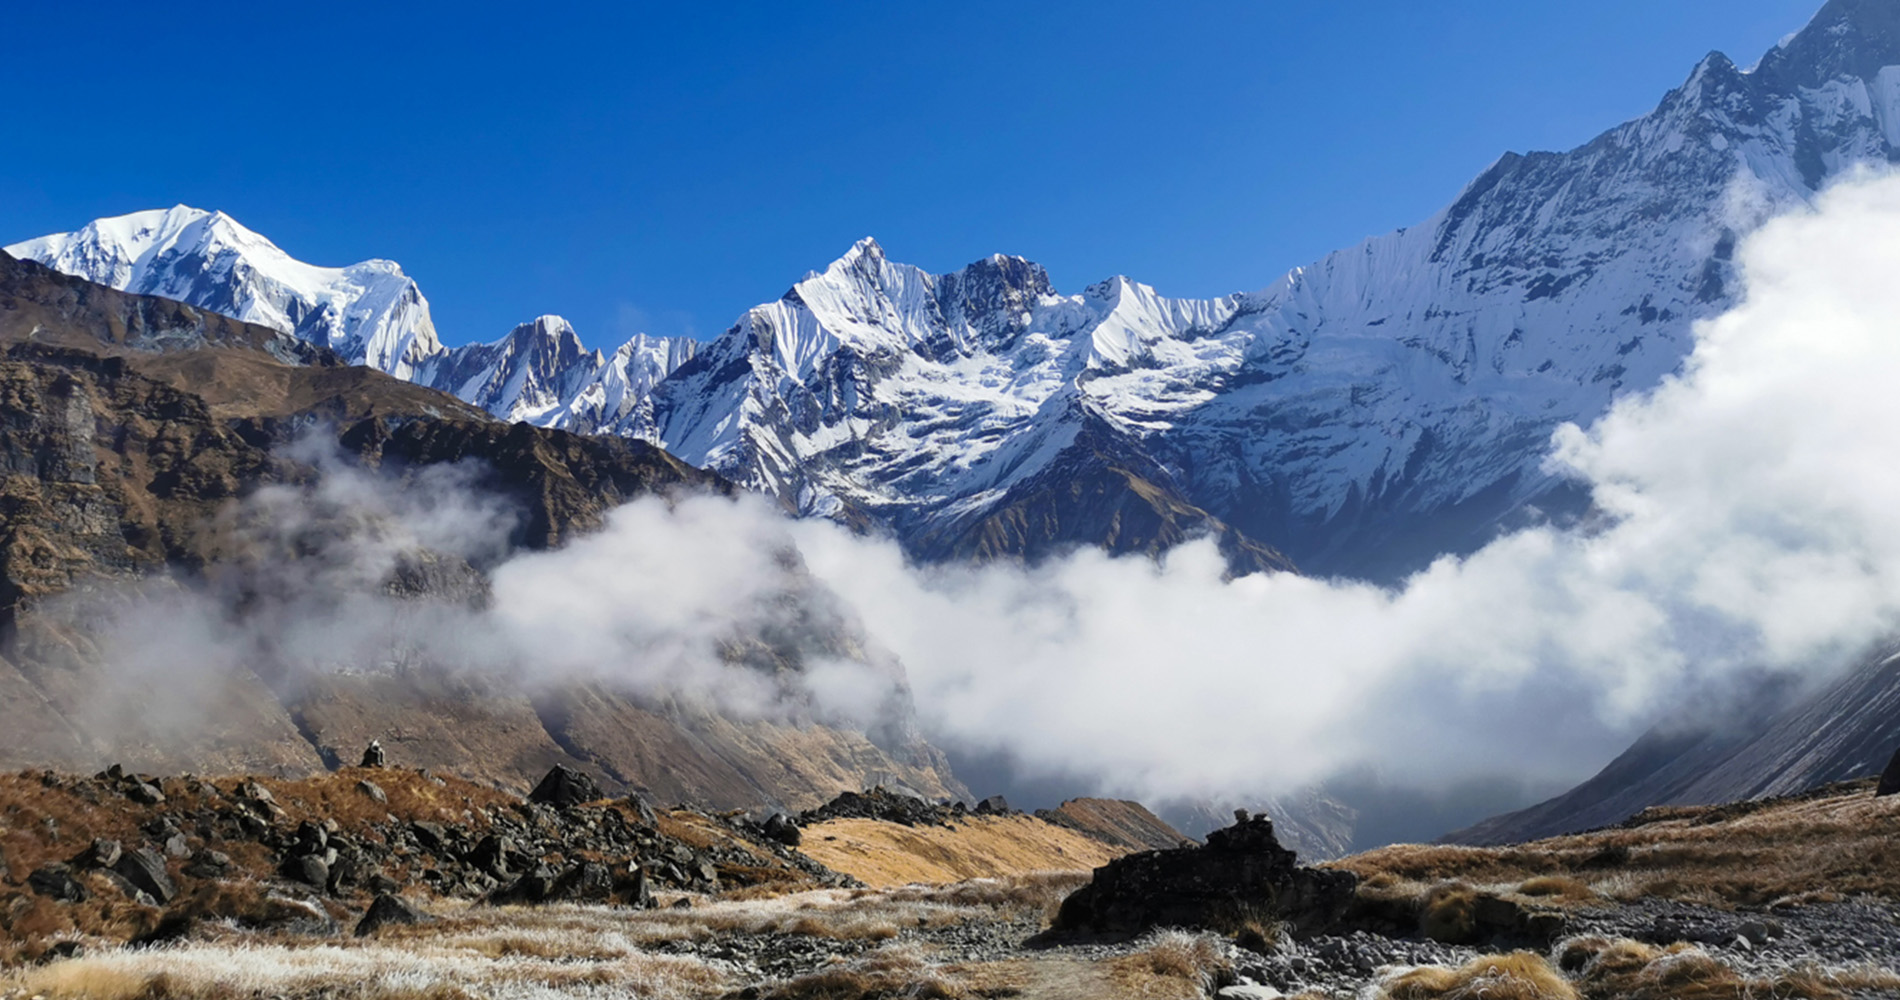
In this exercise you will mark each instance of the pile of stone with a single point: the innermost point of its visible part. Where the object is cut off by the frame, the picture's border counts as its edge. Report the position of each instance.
(565, 843)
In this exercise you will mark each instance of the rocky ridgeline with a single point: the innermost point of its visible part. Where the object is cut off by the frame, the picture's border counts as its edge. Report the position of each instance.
(901, 806)
(323, 845)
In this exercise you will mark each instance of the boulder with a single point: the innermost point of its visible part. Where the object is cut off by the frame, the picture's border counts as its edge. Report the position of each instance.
(389, 909)
(57, 882)
(1890, 778)
(104, 853)
(1242, 870)
(995, 805)
(631, 888)
(643, 809)
(310, 869)
(781, 828)
(563, 786)
(145, 869)
(373, 790)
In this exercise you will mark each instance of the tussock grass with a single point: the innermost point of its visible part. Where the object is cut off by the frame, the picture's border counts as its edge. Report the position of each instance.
(892, 971)
(414, 971)
(1598, 968)
(1632, 970)
(1520, 975)
(1039, 893)
(1815, 847)
(1171, 954)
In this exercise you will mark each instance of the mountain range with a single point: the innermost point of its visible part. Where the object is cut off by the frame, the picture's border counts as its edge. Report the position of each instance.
(1356, 417)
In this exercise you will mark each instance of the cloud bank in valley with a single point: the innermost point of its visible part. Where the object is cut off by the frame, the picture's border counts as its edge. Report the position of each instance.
(1748, 520)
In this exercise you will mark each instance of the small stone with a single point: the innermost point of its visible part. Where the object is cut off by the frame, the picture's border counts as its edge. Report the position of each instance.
(373, 790)
(105, 853)
(144, 793)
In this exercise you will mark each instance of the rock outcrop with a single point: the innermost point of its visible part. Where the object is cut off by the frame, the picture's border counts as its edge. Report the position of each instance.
(1241, 874)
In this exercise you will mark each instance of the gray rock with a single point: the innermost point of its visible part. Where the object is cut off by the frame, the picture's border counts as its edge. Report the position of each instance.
(1249, 993)
(105, 853)
(389, 909)
(57, 882)
(373, 790)
(1890, 778)
(308, 869)
(145, 869)
(563, 786)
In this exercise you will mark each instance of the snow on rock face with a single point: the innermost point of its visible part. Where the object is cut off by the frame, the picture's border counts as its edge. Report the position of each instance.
(1385, 404)
(370, 313)
(1390, 402)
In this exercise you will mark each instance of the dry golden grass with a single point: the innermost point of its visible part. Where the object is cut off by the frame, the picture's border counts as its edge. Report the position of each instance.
(1604, 969)
(1194, 958)
(1632, 970)
(897, 971)
(366, 970)
(1826, 845)
(888, 854)
(1517, 976)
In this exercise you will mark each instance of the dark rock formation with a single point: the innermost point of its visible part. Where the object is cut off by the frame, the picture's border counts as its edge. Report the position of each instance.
(1890, 778)
(995, 805)
(389, 909)
(373, 754)
(145, 869)
(57, 882)
(563, 786)
(882, 804)
(1242, 873)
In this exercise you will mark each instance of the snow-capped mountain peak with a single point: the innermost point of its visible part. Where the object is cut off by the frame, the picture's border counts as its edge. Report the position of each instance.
(370, 313)
(1364, 413)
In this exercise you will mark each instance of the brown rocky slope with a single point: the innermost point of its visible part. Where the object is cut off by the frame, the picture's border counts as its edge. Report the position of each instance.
(130, 429)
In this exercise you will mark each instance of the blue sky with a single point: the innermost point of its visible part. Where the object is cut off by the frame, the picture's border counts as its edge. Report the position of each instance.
(662, 167)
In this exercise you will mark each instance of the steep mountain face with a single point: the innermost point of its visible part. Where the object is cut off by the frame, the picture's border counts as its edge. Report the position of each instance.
(368, 314)
(1390, 402)
(134, 431)
(1361, 415)
(1780, 742)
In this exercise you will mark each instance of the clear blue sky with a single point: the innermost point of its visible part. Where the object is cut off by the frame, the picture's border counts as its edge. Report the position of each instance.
(666, 166)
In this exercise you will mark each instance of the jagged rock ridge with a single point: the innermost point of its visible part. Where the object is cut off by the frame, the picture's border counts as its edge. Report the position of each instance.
(1388, 403)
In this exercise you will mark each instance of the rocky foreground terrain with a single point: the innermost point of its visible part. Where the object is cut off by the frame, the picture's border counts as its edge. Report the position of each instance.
(398, 882)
